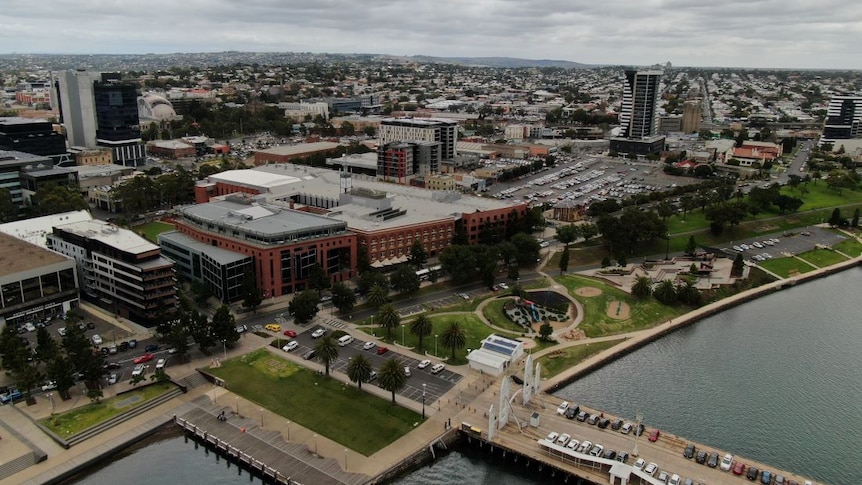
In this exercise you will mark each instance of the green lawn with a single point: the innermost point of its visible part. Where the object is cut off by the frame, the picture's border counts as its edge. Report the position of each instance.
(820, 196)
(494, 313)
(850, 247)
(474, 329)
(151, 230)
(597, 323)
(784, 267)
(822, 257)
(79, 419)
(556, 362)
(356, 419)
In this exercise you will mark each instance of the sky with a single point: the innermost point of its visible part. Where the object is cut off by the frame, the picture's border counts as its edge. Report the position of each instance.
(810, 34)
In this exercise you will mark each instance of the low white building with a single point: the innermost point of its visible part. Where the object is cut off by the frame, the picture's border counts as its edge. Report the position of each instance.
(495, 354)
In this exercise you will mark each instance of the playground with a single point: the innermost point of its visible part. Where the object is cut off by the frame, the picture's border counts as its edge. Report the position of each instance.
(539, 307)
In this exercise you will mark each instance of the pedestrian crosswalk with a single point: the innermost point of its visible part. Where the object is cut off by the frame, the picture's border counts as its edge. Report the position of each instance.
(335, 323)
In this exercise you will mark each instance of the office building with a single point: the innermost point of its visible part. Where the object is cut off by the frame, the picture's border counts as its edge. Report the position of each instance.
(638, 115)
(118, 270)
(221, 270)
(843, 115)
(414, 147)
(100, 110)
(36, 137)
(35, 284)
(691, 116)
(12, 166)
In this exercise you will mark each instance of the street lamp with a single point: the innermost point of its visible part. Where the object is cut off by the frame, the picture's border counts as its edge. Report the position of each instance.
(261, 417)
(423, 400)
(639, 417)
(51, 398)
(315, 444)
(214, 393)
(667, 246)
(402, 335)
(224, 348)
(288, 431)
(435, 344)
(345, 459)
(236, 399)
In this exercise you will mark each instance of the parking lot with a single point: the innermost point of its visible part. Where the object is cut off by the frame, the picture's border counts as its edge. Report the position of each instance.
(435, 384)
(786, 245)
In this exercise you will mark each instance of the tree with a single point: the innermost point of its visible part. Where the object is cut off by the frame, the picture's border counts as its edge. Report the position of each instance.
(460, 262)
(567, 234)
(665, 209)
(224, 326)
(665, 292)
(738, 265)
(855, 221)
(527, 247)
(54, 199)
(392, 377)
(418, 257)
(421, 327)
(8, 209)
(589, 231)
(358, 369)
(388, 318)
(178, 338)
(303, 307)
(688, 294)
(691, 246)
(606, 261)
(454, 338)
(545, 331)
(318, 279)
(378, 295)
(326, 351)
(199, 328)
(405, 280)
(252, 296)
(370, 278)
(835, 219)
(642, 288)
(564, 261)
(343, 297)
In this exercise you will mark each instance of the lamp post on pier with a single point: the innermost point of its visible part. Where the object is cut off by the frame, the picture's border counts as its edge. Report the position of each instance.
(639, 417)
(423, 400)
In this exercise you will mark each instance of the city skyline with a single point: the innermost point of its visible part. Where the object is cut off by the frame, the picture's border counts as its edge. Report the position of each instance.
(766, 33)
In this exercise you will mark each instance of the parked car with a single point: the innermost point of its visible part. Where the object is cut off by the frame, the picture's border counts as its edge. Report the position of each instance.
(626, 429)
(124, 346)
(593, 419)
(561, 409)
(372, 377)
(780, 480)
(654, 434)
(689, 451)
(597, 450)
(240, 328)
(752, 473)
(623, 456)
(144, 358)
(738, 468)
(151, 348)
(701, 457)
(573, 444)
(674, 480)
(712, 461)
(138, 370)
(62, 331)
(421, 365)
(585, 446)
(273, 327)
(289, 333)
(97, 339)
(571, 412)
(640, 464)
(617, 424)
(437, 368)
(766, 477)
(663, 476)
(133, 343)
(308, 355)
(112, 379)
(318, 332)
(370, 345)
(407, 372)
(552, 436)
(650, 469)
(609, 454)
(583, 416)
(49, 385)
(292, 345)
(563, 439)
(382, 350)
(160, 364)
(604, 423)
(727, 462)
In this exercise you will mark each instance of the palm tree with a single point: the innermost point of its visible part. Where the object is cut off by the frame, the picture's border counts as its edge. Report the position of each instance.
(642, 288)
(377, 295)
(665, 292)
(358, 369)
(326, 351)
(387, 317)
(421, 327)
(392, 377)
(454, 337)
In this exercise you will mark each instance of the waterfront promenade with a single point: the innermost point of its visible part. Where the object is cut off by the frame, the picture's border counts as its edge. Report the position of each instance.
(466, 402)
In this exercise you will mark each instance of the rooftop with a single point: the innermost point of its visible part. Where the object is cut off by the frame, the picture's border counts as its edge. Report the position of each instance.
(252, 178)
(12, 157)
(111, 235)
(220, 255)
(34, 230)
(298, 149)
(19, 255)
(259, 218)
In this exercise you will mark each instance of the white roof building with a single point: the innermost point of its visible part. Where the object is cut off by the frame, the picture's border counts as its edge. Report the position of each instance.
(495, 354)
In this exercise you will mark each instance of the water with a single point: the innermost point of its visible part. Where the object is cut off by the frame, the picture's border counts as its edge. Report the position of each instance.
(778, 380)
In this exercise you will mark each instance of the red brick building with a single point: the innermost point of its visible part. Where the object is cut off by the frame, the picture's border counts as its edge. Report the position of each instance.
(287, 153)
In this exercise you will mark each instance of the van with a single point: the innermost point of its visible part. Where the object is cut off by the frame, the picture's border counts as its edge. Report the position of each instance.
(345, 340)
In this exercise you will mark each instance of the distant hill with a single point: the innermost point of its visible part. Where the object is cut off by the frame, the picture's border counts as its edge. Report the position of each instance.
(500, 62)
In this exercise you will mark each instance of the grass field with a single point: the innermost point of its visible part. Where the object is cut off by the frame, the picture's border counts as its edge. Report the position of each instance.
(822, 257)
(597, 323)
(556, 362)
(494, 313)
(151, 230)
(850, 247)
(79, 419)
(819, 196)
(786, 267)
(356, 419)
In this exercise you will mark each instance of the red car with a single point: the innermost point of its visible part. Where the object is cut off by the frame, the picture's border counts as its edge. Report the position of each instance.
(290, 333)
(382, 350)
(738, 468)
(653, 435)
(144, 358)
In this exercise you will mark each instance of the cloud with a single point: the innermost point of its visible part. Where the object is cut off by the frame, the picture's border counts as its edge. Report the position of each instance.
(748, 33)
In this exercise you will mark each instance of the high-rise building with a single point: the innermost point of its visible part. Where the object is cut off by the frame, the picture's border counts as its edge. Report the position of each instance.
(99, 109)
(843, 116)
(36, 137)
(691, 114)
(430, 140)
(638, 114)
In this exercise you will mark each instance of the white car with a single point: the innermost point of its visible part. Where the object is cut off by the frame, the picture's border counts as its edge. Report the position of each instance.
(561, 409)
(49, 385)
(597, 450)
(423, 364)
(97, 339)
(112, 379)
(292, 345)
(62, 331)
(727, 462)
(757, 245)
(437, 368)
(737, 249)
(651, 469)
(626, 429)
(563, 440)
(160, 364)
(573, 445)
(371, 345)
(585, 446)
(674, 480)
(138, 370)
(318, 333)
(552, 436)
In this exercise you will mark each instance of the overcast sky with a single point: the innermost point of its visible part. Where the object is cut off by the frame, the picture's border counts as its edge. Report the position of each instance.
(743, 33)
